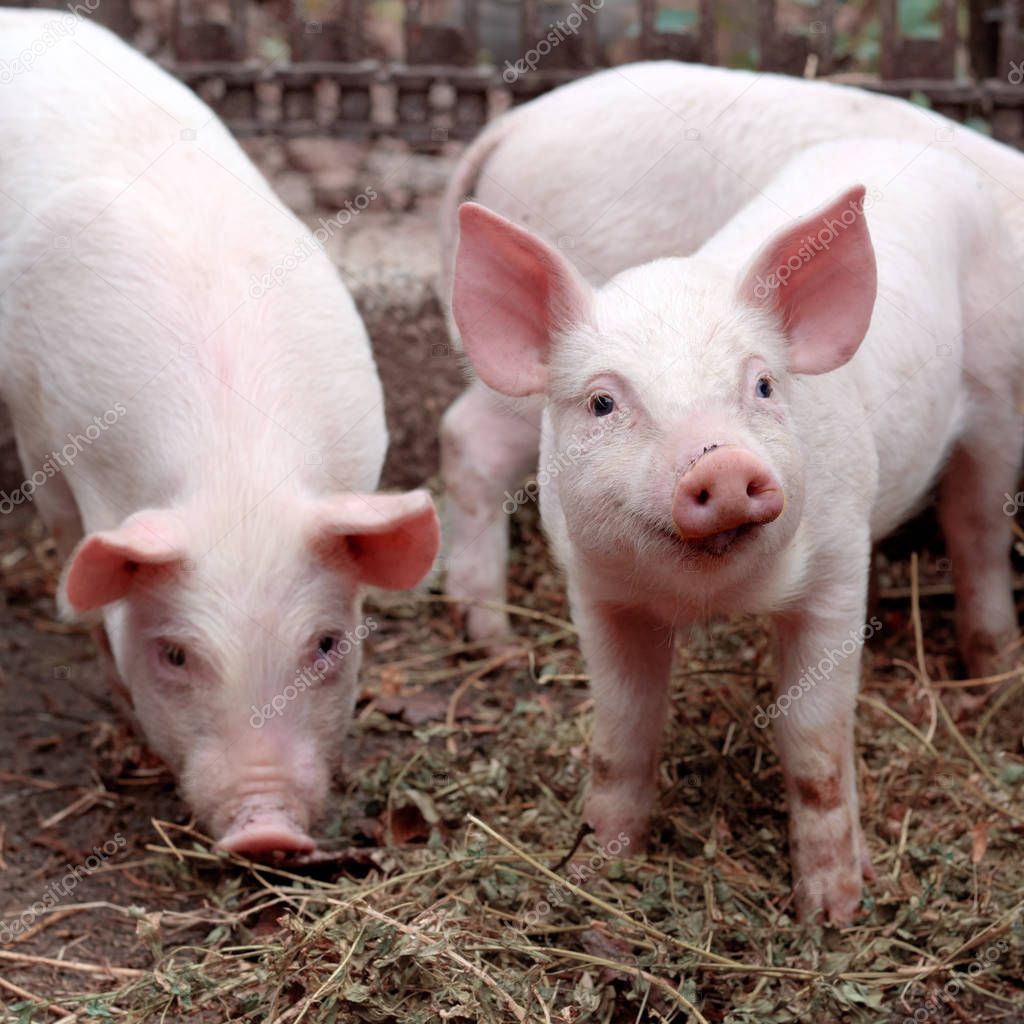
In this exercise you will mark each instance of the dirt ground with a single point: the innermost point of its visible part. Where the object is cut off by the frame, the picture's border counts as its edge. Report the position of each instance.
(162, 929)
(74, 777)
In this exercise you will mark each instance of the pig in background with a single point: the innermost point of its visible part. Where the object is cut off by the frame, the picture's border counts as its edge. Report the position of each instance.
(776, 403)
(223, 527)
(660, 155)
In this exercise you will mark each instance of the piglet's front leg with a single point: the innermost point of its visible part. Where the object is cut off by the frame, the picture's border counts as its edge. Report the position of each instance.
(629, 657)
(819, 661)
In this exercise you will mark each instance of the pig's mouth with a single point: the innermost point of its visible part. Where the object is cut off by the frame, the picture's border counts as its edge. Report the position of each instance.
(722, 543)
(715, 546)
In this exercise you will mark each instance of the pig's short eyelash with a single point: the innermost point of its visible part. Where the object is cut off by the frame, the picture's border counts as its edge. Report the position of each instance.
(600, 403)
(173, 654)
(329, 645)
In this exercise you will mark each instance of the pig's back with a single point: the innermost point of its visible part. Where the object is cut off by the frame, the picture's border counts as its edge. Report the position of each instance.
(662, 154)
(128, 249)
(94, 120)
(90, 101)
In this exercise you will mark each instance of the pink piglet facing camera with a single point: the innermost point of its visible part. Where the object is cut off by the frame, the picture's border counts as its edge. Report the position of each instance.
(745, 423)
(218, 512)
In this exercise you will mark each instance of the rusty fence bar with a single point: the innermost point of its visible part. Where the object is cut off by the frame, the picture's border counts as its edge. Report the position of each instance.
(330, 79)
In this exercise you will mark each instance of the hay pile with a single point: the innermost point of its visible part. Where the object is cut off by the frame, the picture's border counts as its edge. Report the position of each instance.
(438, 902)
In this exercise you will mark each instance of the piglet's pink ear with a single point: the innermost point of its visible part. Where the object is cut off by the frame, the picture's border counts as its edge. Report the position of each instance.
(105, 565)
(818, 276)
(511, 293)
(392, 538)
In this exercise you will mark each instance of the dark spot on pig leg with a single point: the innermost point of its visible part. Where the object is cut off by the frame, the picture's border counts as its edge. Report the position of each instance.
(601, 770)
(821, 794)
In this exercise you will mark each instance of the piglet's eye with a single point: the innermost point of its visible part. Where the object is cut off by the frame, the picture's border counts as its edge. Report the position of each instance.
(174, 655)
(601, 403)
(763, 389)
(326, 644)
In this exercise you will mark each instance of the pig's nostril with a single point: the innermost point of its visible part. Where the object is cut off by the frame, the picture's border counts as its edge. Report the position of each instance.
(727, 490)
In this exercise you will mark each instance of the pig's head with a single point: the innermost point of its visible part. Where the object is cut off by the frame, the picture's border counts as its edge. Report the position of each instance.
(669, 389)
(240, 642)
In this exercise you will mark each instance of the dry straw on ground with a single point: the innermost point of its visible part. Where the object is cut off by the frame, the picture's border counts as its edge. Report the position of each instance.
(438, 902)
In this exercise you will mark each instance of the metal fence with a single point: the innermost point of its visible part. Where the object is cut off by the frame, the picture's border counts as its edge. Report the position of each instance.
(329, 80)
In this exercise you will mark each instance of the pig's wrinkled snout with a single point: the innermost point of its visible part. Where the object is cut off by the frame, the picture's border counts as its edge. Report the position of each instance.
(265, 828)
(264, 803)
(724, 490)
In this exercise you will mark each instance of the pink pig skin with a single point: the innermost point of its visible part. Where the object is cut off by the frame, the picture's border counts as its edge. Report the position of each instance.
(783, 398)
(221, 525)
(625, 166)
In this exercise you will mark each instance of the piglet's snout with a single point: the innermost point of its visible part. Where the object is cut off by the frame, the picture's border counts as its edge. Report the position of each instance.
(725, 489)
(262, 826)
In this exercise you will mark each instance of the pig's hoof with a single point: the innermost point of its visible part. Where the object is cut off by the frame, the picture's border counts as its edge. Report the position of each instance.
(620, 825)
(829, 896)
(987, 655)
(489, 625)
(867, 869)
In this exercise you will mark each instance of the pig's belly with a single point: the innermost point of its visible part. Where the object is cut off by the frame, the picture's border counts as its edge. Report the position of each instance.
(910, 459)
